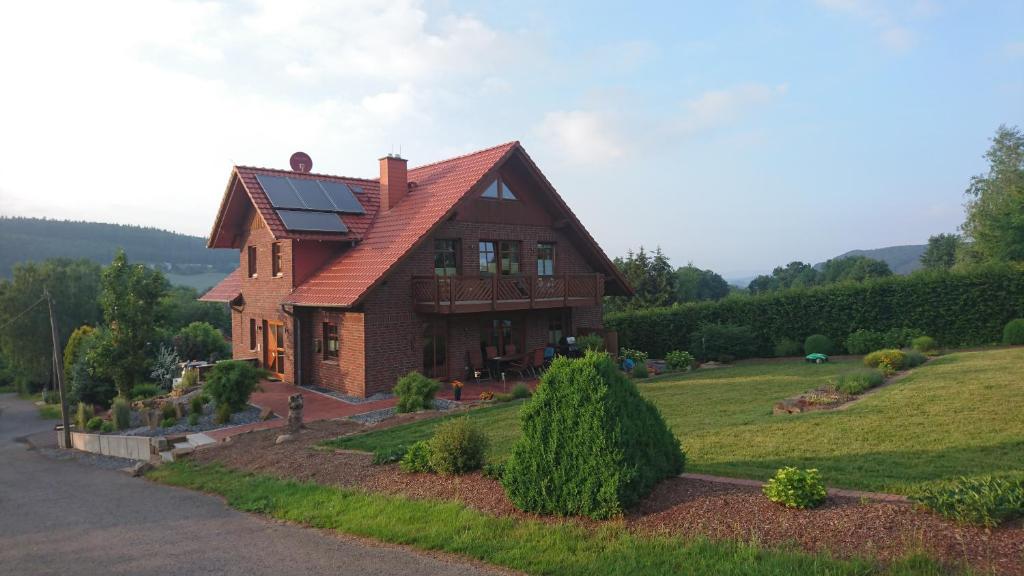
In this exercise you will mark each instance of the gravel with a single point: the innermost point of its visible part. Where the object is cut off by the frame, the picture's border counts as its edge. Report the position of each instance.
(97, 460)
(375, 416)
(346, 397)
(247, 416)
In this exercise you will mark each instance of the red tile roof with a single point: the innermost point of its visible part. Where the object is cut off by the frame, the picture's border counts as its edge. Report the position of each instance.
(394, 233)
(227, 290)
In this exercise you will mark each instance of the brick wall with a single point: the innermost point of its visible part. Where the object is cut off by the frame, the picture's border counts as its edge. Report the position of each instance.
(345, 373)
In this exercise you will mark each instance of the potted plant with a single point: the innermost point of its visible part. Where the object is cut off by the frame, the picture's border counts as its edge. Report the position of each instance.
(457, 389)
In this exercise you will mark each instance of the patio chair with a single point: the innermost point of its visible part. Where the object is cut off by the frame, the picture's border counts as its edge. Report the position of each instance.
(538, 361)
(522, 366)
(481, 370)
(510, 349)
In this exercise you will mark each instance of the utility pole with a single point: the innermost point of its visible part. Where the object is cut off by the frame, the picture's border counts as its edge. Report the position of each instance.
(58, 364)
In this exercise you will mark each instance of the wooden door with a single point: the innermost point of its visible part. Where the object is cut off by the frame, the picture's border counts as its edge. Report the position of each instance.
(273, 356)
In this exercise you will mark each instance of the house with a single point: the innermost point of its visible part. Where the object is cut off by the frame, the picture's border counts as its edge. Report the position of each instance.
(348, 283)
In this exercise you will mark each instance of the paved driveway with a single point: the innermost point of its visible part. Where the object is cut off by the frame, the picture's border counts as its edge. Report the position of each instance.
(69, 517)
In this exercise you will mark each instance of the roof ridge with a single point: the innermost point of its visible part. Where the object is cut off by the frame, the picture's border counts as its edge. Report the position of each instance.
(466, 155)
(283, 171)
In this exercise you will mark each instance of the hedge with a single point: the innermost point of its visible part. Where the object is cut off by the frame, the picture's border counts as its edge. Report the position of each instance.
(956, 308)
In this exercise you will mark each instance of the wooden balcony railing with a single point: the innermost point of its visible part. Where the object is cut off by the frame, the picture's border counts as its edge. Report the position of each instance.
(455, 294)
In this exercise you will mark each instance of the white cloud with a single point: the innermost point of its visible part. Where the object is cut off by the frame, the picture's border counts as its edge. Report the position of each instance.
(715, 108)
(581, 136)
(891, 24)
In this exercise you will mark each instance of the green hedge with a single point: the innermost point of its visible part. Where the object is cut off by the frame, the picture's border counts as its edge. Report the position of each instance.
(956, 308)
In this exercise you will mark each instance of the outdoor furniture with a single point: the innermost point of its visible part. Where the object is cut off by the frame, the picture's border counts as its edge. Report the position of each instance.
(523, 365)
(539, 361)
(478, 366)
(510, 349)
(505, 359)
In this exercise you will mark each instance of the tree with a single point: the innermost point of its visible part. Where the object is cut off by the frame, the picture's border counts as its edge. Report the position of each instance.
(130, 298)
(853, 268)
(694, 284)
(652, 279)
(995, 209)
(181, 307)
(941, 252)
(794, 275)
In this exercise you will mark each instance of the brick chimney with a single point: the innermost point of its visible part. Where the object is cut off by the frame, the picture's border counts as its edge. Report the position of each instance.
(394, 181)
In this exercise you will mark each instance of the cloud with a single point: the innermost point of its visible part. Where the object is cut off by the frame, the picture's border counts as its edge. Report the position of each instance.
(891, 26)
(581, 136)
(716, 108)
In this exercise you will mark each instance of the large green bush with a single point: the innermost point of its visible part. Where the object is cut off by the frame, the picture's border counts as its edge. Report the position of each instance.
(924, 344)
(457, 447)
(818, 344)
(415, 392)
(864, 341)
(201, 341)
(887, 360)
(415, 459)
(724, 342)
(987, 500)
(232, 382)
(1013, 332)
(858, 381)
(679, 360)
(955, 308)
(591, 445)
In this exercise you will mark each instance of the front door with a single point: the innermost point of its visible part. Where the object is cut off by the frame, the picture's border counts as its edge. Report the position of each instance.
(273, 357)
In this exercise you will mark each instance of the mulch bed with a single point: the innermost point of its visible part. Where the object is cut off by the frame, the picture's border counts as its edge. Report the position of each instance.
(844, 527)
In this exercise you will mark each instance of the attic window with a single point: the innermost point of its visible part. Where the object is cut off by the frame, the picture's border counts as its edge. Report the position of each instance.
(499, 190)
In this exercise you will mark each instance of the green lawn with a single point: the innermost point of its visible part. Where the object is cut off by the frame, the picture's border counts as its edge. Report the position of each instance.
(957, 415)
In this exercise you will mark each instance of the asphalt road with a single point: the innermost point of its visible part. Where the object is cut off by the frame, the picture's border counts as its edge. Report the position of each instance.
(66, 516)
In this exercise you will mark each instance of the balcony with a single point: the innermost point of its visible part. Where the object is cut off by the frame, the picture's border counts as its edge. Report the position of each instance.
(462, 294)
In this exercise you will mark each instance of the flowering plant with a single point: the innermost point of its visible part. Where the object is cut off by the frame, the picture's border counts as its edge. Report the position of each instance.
(456, 384)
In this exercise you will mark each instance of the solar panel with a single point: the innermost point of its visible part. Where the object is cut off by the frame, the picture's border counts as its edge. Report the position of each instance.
(280, 191)
(342, 197)
(311, 194)
(356, 189)
(312, 221)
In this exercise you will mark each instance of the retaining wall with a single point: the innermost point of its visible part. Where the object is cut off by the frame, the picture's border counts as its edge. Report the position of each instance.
(131, 447)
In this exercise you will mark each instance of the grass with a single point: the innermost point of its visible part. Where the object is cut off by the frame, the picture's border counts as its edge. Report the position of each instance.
(958, 415)
(49, 411)
(527, 545)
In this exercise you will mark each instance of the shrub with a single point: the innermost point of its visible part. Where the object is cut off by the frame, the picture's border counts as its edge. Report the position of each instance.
(168, 422)
(121, 414)
(145, 391)
(94, 423)
(900, 337)
(679, 360)
(231, 383)
(383, 456)
(51, 397)
(987, 501)
(223, 414)
(457, 447)
(196, 403)
(502, 397)
(887, 360)
(913, 359)
(494, 470)
(640, 371)
(107, 426)
(520, 390)
(864, 341)
(795, 488)
(590, 444)
(637, 356)
(83, 414)
(818, 344)
(924, 344)
(201, 341)
(167, 410)
(590, 342)
(858, 381)
(787, 347)
(1013, 332)
(724, 342)
(416, 458)
(415, 392)
(193, 419)
(189, 378)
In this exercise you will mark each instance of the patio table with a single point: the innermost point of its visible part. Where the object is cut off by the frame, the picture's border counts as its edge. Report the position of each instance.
(505, 359)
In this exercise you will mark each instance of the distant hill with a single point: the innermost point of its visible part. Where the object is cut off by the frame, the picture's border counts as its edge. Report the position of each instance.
(901, 259)
(185, 259)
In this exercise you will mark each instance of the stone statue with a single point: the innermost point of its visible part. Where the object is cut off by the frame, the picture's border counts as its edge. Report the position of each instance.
(294, 413)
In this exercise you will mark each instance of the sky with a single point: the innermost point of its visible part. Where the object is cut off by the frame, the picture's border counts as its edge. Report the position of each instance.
(734, 135)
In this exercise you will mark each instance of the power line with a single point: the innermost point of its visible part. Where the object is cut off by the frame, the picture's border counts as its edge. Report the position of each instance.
(22, 313)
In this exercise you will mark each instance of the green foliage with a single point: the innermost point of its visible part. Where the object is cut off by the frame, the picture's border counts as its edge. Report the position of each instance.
(995, 210)
(121, 414)
(88, 378)
(167, 410)
(165, 366)
(818, 344)
(888, 360)
(388, 455)
(193, 419)
(793, 275)
(652, 279)
(168, 422)
(416, 458)
(913, 359)
(415, 392)
(520, 390)
(864, 341)
(107, 426)
(956, 308)
(785, 347)
(853, 269)
(900, 337)
(941, 252)
(694, 284)
(181, 307)
(724, 342)
(232, 382)
(679, 360)
(83, 414)
(73, 349)
(189, 378)
(858, 381)
(196, 403)
(590, 341)
(640, 370)
(130, 295)
(94, 423)
(494, 470)
(201, 341)
(145, 391)
(986, 500)
(1013, 332)
(223, 414)
(795, 488)
(637, 356)
(457, 447)
(590, 444)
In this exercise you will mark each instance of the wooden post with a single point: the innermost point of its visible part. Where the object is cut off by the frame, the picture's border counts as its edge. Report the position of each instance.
(494, 291)
(534, 281)
(58, 362)
(565, 290)
(437, 295)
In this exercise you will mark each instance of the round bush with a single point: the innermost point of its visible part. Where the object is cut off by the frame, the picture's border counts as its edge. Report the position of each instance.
(818, 344)
(107, 426)
(679, 360)
(201, 341)
(924, 344)
(457, 447)
(232, 382)
(887, 360)
(795, 488)
(864, 341)
(591, 445)
(786, 347)
(415, 392)
(416, 458)
(94, 423)
(1013, 333)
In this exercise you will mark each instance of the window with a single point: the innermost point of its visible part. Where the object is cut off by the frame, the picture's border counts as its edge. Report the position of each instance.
(545, 259)
(446, 257)
(488, 257)
(252, 261)
(500, 333)
(275, 259)
(330, 341)
(509, 257)
(252, 333)
(498, 189)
